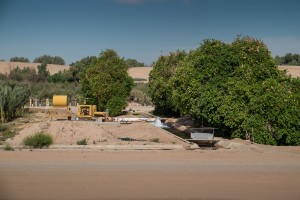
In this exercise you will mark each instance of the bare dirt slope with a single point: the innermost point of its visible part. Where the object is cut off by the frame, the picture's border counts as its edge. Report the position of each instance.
(205, 174)
(6, 67)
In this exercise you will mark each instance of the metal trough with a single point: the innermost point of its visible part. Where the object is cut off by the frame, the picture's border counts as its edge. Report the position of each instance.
(202, 133)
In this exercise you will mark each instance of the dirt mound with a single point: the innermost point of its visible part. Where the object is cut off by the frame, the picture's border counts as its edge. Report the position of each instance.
(67, 132)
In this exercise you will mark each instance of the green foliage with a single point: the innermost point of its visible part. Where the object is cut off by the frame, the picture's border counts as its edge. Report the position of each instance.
(8, 147)
(140, 93)
(156, 140)
(106, 82)
(43, 73)
(38, 140)
(60, 77)
(78, 67)
(288, 59)
(134, 63)
(19, 59)
(82, 142)
(237, 87)
(12, 100)
(46, 59)
(6, 132)
(44, 90)
(25, 74)
(159, 81)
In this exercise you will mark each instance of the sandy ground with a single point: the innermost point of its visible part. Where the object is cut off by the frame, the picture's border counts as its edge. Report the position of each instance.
(203, 174)
(6, 67)
(236, 170)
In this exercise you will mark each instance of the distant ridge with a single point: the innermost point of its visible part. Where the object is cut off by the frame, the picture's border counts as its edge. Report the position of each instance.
(134, 72)
(6, 67)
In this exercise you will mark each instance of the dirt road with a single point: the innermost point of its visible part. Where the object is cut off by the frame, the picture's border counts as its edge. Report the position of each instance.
(202, 174)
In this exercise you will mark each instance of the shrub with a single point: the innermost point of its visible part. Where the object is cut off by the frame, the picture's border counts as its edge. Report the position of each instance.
(154, 140)
(82, 142)
(8, 147)
(5, 132)
(38, 140)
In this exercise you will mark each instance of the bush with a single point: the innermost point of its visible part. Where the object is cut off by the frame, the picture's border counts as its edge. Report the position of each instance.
(82, 142)
(156, 140)
(38, 140)
(5, 132)
(8, 147)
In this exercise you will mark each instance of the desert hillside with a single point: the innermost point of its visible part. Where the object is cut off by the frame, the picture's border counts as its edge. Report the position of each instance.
(6, 67)
(135, 72)
(140, 72)
(293, 70)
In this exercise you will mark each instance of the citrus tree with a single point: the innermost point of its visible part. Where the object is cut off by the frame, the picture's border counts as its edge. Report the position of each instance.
(159, 81)
(237, 87)
(106, 82)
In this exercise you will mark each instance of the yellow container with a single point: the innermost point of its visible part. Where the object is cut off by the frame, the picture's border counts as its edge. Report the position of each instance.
(60, 100)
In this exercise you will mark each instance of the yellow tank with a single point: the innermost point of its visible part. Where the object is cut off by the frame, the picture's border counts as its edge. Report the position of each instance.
(60, 100)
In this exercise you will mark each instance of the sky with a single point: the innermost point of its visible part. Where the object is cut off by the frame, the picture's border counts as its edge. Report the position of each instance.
(141, 29)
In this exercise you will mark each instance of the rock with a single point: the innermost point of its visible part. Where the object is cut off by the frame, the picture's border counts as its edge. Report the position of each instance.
(193, 146)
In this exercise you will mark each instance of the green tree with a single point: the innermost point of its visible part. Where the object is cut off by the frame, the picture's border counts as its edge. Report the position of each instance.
(12, 100)
(59, 77)
(237, 87)
(19, 59)
(43, 73)
(46, 59)
(106, 82)
(159, 82)
(134, 63)
(288, 59)
(25, 74)
(78, 67)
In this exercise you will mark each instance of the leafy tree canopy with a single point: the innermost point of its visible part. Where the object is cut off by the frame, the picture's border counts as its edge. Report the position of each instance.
(78, 67)
(288, 59)
(12, 100)
(106, 82)
(237, 87)
(159, 81)
(46, 59)
(43, 73)
(19, 59)
(134, 63)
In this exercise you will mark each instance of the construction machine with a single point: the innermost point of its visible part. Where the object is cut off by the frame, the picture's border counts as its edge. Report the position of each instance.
(89, 112)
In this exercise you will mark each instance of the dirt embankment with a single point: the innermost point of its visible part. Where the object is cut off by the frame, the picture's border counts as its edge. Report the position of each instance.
(69, 132)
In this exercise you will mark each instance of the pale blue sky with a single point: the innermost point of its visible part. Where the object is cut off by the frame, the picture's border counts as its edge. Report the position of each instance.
(141, 29)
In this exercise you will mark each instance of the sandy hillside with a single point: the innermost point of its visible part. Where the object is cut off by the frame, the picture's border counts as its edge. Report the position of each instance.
(6, 67)
(134, 72)
(140, 72)
(293, 70)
